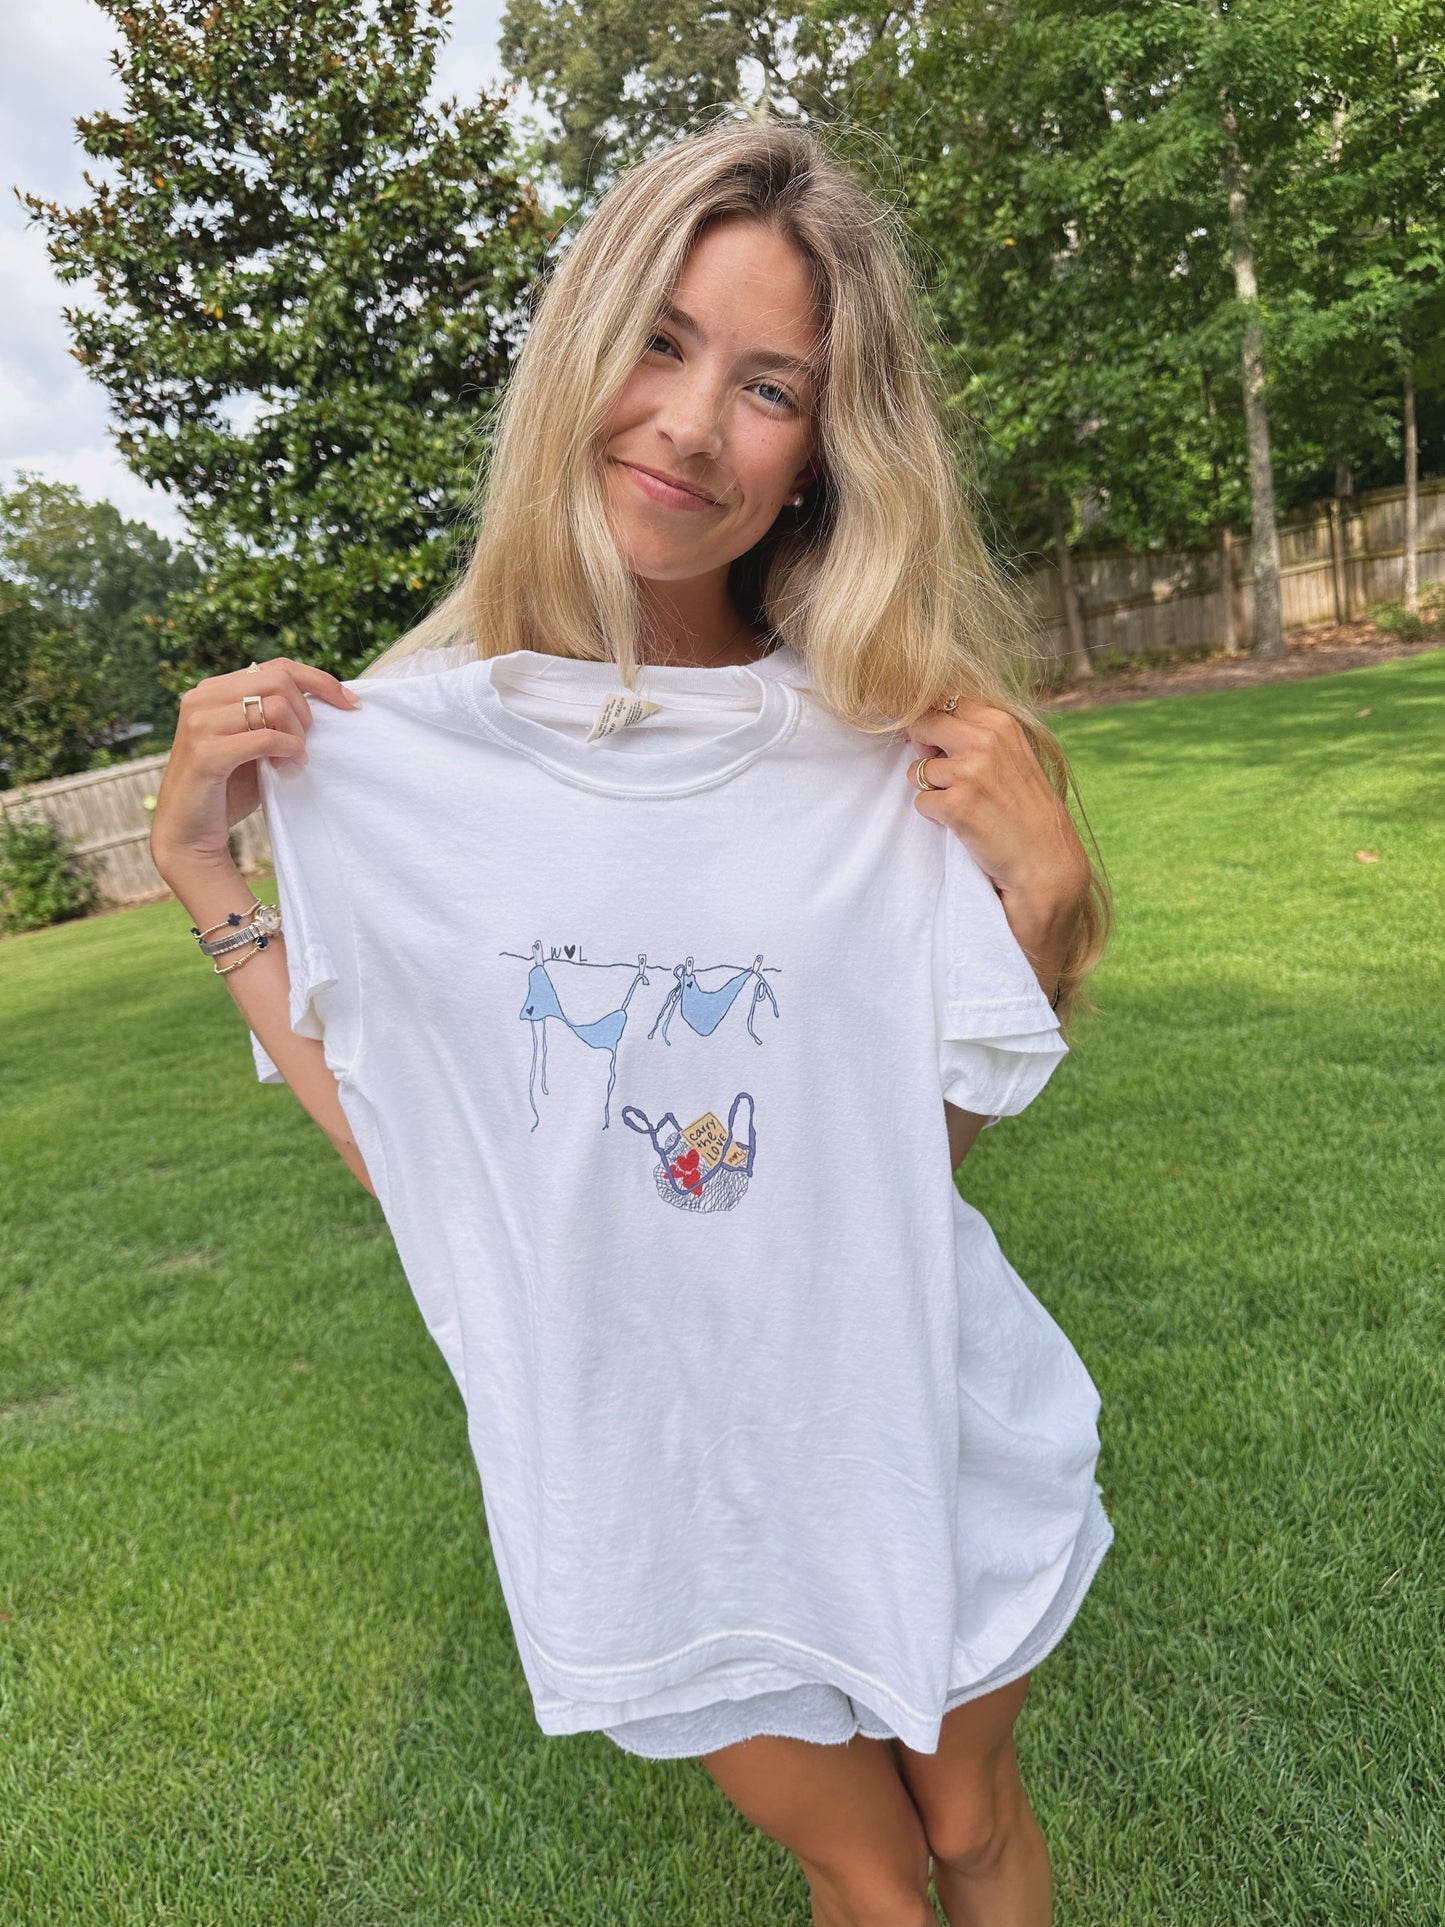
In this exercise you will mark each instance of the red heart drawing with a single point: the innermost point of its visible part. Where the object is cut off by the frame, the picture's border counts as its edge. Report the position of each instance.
(685, 1169)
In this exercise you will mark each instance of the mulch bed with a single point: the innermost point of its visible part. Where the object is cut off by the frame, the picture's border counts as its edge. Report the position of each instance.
(1308, 652)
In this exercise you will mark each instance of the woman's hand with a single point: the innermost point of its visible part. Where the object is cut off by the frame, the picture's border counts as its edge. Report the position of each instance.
(990, 790)
(211, 781)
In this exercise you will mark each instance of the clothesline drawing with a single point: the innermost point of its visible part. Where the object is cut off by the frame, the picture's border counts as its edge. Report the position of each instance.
(701, 1009)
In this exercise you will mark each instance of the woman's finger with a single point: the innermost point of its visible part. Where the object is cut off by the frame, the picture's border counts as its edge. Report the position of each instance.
(988, 742)
(316, 683)
(940, 772)
(277, 708)
(272, 696)
(968, 721)
(222, 752)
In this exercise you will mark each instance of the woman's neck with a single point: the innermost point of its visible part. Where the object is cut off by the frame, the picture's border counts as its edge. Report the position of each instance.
(695, 625)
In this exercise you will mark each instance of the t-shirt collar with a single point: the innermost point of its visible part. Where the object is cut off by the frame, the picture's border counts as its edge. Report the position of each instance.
(740, 710)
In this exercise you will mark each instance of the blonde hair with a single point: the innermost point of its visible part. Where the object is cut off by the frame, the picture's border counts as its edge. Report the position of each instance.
(881, 582)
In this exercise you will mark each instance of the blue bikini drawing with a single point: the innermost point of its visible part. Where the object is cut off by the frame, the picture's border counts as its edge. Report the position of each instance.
(542, 1002)
(703, 1010)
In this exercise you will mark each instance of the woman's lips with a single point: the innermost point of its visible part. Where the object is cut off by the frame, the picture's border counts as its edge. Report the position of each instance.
(657, 490)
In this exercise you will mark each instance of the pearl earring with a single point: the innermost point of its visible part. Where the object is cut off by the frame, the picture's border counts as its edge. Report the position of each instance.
(795, 501)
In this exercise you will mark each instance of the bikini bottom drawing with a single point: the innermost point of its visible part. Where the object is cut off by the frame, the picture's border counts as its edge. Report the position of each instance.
(702, 1166)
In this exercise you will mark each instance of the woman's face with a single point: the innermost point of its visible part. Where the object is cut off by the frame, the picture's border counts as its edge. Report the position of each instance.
(712, 431)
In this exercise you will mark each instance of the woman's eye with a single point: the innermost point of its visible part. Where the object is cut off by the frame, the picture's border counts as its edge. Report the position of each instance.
(778, 396)
(656, 342)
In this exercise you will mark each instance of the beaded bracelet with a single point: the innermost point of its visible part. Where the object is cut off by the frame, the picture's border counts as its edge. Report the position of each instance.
(254, 925)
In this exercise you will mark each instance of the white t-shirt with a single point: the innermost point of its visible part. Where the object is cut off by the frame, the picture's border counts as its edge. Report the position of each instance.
(645, 1041)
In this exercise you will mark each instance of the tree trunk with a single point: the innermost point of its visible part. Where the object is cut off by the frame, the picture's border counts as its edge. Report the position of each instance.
(1412, 492)
(1226, 589)
(1337, 562)
(1340, 533)
(1078, 649)
(1225, 535)
(1268, 622)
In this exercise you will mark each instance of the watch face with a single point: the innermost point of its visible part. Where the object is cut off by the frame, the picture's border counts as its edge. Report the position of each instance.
(268, 917)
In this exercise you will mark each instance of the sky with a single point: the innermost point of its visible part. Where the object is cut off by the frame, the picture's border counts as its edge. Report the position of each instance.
(54, 64)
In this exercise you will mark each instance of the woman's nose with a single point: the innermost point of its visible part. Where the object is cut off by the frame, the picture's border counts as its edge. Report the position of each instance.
(691, 418)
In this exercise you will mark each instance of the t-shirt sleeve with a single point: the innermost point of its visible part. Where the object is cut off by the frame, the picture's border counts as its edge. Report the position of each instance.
(310, 910)
(315, 920)
(999, 1041)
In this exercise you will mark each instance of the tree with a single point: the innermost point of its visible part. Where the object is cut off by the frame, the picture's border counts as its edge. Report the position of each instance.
(1069, 299)
(622, 77)
(1383, 198)
(84, 601)
(311, 283)
(1108, 193)
(54, 707)
(1264, 530)
(621, 74)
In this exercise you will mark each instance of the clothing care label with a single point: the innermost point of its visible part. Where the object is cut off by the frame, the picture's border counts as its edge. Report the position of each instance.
(620, 710)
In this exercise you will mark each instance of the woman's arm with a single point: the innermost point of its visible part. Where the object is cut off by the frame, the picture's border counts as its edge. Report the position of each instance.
(963, 1130)
(1044, 915)
(210, 783)
(260, 989)
(990, 789)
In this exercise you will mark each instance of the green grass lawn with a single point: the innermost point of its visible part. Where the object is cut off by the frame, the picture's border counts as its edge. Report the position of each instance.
(254, 1663)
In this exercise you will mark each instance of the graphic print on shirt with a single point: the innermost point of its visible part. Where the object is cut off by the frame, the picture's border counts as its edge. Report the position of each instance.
(541, 1002)
(703, 1010)
(702, 1166)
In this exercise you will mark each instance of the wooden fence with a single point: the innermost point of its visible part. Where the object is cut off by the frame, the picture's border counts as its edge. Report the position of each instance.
(106, 816)
(1337, 559)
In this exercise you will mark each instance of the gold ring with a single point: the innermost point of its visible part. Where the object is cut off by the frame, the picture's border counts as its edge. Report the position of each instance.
(259, 701)
(918, 775)
(252, 667)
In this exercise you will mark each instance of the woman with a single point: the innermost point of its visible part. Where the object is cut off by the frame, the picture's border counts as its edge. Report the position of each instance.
(721, 481)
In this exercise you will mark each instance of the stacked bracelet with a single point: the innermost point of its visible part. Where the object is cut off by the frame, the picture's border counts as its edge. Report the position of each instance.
(255, 926)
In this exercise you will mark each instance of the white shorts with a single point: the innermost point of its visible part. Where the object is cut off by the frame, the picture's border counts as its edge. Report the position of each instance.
(826, 1715)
